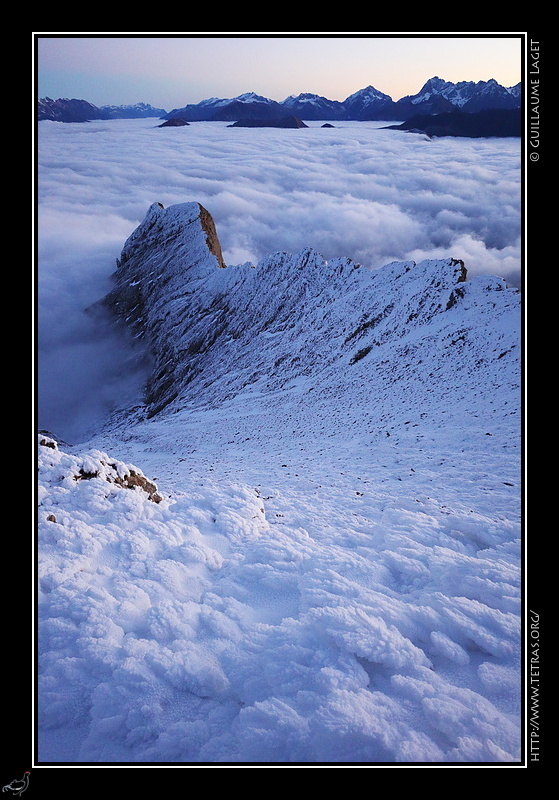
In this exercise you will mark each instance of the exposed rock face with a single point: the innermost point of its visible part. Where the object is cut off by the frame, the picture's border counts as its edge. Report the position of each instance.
(212, 332)
(212, 240)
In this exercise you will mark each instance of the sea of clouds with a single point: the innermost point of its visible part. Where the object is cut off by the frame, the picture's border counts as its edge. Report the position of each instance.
(355, 190)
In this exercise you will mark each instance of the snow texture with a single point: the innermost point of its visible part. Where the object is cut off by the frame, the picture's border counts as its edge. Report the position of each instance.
(332, 572)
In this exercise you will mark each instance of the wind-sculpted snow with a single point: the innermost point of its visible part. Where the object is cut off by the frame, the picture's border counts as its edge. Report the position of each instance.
(332, 572)
(222, 625)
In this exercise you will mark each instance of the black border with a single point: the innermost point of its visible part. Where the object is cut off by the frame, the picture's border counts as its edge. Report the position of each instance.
(20, 744)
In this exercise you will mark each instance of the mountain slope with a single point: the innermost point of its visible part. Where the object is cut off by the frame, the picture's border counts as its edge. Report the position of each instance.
(332, 571)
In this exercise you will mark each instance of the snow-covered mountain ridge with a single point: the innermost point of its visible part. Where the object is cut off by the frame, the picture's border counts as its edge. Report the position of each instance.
(332, 571)
(213, 332)
(435, 96)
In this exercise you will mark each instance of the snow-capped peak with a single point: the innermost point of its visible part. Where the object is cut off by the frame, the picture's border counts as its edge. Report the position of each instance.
(303, 97)
(368, 93)
(252, 97)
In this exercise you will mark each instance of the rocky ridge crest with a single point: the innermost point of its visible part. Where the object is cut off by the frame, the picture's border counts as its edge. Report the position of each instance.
(212, 331)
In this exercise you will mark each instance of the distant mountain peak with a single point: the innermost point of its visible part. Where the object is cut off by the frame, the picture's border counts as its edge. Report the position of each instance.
(302, 97)
(368, 92)
(436, 83)
(252, 97)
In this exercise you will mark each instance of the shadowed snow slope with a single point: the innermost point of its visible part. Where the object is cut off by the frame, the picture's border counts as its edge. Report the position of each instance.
(332, 574)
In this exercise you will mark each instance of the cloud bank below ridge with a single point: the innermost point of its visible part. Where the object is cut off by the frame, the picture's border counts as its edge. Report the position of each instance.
(372, 195)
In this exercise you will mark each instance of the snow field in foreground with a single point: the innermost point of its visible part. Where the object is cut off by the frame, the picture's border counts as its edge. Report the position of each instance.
(286, 622)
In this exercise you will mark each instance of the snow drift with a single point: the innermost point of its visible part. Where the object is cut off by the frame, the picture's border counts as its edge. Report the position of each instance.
(331, 573)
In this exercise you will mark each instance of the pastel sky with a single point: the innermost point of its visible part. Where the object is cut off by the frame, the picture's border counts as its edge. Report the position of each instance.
(169, 71)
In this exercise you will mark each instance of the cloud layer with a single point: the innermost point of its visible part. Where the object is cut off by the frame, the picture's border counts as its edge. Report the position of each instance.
(354, 190)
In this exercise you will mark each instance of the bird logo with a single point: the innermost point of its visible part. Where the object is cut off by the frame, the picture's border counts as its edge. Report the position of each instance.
(17, 787)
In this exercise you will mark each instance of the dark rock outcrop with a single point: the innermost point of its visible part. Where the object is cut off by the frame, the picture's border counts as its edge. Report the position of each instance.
(481, 124)
(284, 122)
(174, 122)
